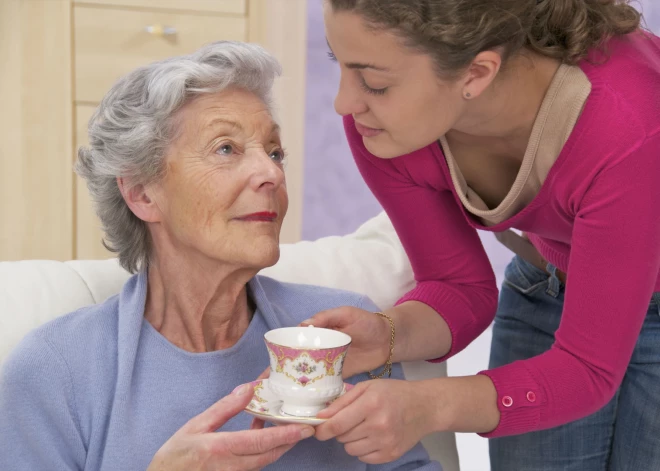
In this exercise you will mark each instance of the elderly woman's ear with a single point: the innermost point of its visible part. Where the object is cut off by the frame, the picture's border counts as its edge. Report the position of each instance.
(140, 200)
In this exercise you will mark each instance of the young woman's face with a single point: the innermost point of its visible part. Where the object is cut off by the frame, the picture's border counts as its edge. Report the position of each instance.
(394, 93)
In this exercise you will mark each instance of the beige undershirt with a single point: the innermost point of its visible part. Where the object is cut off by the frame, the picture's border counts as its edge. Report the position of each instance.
(554, 123)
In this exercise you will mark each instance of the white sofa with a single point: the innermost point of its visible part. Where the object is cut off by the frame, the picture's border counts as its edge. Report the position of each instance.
(370, 261)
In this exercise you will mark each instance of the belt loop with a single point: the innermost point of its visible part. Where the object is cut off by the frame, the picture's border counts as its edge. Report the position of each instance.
(656, 300)
(554, 285)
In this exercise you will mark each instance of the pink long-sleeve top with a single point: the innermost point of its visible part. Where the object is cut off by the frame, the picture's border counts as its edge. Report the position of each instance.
(596, 216)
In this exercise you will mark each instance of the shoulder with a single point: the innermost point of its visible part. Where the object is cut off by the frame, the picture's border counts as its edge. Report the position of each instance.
(44, 397)
(611, 130)
(32, 360)
(36, 376)
(68, 341)
(83, 327)
(301, 301)
(313, 296)
(625, 79)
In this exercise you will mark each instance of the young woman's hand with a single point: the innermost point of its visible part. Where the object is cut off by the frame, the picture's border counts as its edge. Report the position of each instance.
(370, 334)
(379, 421)
(198, 447)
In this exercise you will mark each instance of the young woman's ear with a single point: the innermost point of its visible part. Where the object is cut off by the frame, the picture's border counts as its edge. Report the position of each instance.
(481, 73)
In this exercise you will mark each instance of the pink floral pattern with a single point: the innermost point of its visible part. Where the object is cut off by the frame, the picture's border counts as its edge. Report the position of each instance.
(306, 363)
(304, 368)
(257, 402)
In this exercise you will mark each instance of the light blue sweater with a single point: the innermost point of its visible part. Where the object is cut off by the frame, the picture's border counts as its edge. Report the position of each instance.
(101, 390)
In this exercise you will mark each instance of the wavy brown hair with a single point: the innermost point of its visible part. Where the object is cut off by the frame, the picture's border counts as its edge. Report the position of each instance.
(453, 32)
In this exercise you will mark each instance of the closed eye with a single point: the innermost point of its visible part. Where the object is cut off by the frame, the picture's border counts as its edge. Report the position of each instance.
(372, 91)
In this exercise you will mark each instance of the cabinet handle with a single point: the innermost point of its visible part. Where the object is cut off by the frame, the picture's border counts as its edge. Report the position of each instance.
(160, 30)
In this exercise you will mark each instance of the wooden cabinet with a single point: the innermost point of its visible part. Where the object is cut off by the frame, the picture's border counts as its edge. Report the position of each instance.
(228, 7)
(36, 182)
(126, 44)
(59, 59)
(88, 235)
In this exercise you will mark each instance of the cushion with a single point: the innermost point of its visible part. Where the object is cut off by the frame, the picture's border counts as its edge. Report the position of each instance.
(370, 261)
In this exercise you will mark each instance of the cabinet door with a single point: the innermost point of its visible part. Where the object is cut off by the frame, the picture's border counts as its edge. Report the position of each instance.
(36, 178)
(109, 43)
(231, 7)
(281, 27)
(88, 233)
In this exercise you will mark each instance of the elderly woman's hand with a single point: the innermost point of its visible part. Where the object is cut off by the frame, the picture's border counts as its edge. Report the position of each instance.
(197, 447)
(378, 421)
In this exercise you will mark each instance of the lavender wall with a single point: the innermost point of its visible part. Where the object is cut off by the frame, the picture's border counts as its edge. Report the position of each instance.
(336, 200)
(651, 9)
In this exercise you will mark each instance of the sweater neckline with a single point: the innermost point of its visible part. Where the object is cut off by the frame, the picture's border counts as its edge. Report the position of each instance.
(591, 110)
(263, 316)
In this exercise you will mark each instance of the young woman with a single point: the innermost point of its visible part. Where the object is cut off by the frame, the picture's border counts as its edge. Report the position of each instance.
(543, 116)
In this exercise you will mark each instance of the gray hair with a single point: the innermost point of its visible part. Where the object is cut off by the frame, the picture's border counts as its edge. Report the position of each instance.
(131, 130)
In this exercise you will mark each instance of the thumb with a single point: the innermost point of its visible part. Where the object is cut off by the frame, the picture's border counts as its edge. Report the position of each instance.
(336, 318)
(215, 416)
(265, 374)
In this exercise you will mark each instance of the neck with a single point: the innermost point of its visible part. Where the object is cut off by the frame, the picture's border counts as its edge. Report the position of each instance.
(504, 115)
(199, 305)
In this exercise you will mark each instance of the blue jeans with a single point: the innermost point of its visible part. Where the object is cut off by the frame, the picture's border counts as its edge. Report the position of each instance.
(624, 435)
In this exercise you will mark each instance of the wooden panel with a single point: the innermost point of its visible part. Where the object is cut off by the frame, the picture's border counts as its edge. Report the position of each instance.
(36, 178)
(109, 43)
(234, 7)
(88, 232)
(281, 27)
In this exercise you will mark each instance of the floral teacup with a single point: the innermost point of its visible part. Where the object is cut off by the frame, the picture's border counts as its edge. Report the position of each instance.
(305, 367)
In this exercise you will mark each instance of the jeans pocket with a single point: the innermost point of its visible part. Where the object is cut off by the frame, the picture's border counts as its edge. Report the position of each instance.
(524, 277)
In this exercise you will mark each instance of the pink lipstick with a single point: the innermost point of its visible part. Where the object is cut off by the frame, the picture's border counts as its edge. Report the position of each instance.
(266, 216)
(366, 131)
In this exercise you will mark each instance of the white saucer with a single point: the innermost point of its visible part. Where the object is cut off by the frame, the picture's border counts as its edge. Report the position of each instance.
(266, 406)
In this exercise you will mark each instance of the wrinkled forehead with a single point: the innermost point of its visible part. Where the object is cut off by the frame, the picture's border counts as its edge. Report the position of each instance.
(233, 111)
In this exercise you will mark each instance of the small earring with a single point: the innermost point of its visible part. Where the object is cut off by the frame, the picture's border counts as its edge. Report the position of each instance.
(468, 95)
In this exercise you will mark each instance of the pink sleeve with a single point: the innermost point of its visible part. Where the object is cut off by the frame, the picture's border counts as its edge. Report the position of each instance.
(612, 273)
(451, 268)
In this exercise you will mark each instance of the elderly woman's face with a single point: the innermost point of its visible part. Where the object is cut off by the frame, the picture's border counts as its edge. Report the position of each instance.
(224, 194)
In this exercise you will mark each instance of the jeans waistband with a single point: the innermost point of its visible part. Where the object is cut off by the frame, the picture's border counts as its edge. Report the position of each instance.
(656, 299)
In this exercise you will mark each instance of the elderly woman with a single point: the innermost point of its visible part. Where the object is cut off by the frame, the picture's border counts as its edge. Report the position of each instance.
(185, 166)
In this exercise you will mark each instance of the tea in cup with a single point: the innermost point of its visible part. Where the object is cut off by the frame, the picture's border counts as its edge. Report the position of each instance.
(306, 367)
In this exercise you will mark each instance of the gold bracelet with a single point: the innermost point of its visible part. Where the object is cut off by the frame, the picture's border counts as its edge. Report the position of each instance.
(388, 364)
